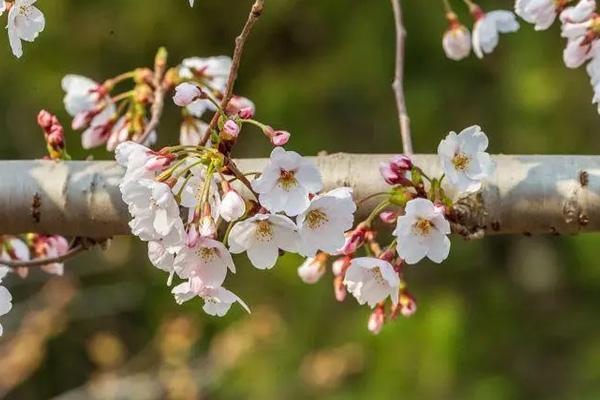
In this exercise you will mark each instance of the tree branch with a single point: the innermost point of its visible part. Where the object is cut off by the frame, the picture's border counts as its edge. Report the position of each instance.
(160, 67)
(398, 84)
(79, 245)
(240, 41)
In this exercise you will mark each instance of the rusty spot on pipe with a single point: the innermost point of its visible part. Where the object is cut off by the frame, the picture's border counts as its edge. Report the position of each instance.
(584, 178)
(36, 204)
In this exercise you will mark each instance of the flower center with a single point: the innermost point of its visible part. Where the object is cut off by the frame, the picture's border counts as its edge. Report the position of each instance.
(461, 161)
(316, 218)
(377, 276)
(287, 180)
(206, 254)
(264, 231)
(423, 226)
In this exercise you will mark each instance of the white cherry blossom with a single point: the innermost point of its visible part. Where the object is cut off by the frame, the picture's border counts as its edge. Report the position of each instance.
(464, 159)
(25, 22)
(261, 236)
(81, 94)
(217, 300)
(323, 224)
(286, 182)
(457, 42)
(211, 71)
(14, 249)
(191, 3)
(488, 27)
(191, 131)
(205, 259)
(372, 280)
(422, 232)
(5, 304)
(580, 12)
(542, 13)
(155, 213)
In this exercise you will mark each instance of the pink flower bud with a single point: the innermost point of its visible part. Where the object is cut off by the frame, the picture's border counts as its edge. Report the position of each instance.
(339, 266)
(389, 217)
(81, 120)
(186, 93)
(231, 129)
(376, 320)
(406, 306)
(45, 119)
(312, 269)
(246, 113)
(232, 206)
(354, 241)
(192, 236)
(339, 289)
(280, 138)
(394, 172)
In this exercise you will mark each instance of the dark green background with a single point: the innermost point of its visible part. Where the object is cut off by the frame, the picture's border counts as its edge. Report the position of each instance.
(502, 318)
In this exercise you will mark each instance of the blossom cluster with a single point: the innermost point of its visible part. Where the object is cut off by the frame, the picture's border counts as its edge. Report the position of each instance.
(458, 41)
(25, 22)
(178, 197)
(580, 25)
(420, 209)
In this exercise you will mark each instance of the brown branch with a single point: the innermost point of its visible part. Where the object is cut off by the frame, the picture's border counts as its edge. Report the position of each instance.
(240, 176)
(240, 41)
(82, 244)
(160, 88)
(398, 84)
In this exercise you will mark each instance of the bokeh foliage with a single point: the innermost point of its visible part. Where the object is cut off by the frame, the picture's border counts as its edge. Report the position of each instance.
(502, 318)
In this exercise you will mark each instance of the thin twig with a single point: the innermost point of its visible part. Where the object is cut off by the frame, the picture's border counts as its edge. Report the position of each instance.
(240, 176)
(160, 88)
(83, 244)
(240, 41)
(398, 84)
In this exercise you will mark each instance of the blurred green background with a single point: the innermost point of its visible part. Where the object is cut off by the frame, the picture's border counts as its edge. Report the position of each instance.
(502, 318)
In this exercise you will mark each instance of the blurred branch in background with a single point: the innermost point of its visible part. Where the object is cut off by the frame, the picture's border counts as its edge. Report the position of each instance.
(43, 316)
(398, 84)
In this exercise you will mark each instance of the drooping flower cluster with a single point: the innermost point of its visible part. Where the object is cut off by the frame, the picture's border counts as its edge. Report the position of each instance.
(178, 198)
(25, 22)
(421, 210)
(580, 25)
(457, 40)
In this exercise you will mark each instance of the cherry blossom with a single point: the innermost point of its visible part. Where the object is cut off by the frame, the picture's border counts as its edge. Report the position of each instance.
(155, 212)
(191, 3)
(25, 22)
(162, 257)
(372, 280)
(542, 13)
(464, 159)
(376, 320)
(312, 269)
(81, 94)
(211, 71)
(232, 206)
(323, 224)
(51, 247)
(206, 259)
(186, 93)
(421, 232)
(487, 28)
(15, 249)
(217, 300)
(457, 40)
(5, 297)
(261, 237)
(578, 28)
(191, 131)
(286, 182)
